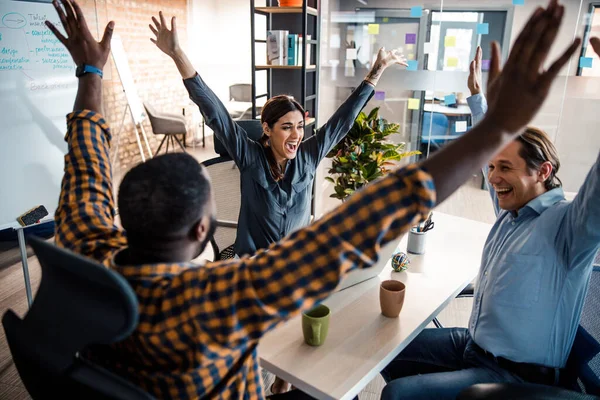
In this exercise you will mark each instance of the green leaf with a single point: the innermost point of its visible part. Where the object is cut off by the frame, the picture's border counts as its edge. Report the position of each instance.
(329, 179)
(373, 114)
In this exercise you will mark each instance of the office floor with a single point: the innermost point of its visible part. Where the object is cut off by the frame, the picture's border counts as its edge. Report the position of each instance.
(469, 202)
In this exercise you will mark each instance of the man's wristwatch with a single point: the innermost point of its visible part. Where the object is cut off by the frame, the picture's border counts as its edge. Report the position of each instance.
(85, 69)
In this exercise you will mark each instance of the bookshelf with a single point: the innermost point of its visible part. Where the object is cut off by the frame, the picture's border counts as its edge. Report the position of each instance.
(300, 81)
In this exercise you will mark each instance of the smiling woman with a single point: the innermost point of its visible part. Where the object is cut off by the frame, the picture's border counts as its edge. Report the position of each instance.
(282, 118)
(277, 171)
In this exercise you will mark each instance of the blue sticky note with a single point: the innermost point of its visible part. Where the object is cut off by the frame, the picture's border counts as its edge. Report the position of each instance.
(450, 99)
(412, 65)
(585, 62)
(379, 95)
(416, 12)
(483, 29)
(518, 2)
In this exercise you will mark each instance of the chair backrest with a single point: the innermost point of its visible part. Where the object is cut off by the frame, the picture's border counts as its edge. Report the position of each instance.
(252, 127)
(434, 124)
(240, 92)
(583, 367)
(225, 178)
(79, 303)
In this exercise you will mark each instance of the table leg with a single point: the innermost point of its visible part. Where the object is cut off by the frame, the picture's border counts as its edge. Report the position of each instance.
(23, 248)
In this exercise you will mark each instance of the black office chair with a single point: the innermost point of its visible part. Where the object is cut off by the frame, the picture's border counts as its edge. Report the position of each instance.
(580, 379)
(253, 128)
(468, 291)
(79, 303)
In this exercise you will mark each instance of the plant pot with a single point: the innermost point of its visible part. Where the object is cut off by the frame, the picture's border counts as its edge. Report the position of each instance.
(290, 3)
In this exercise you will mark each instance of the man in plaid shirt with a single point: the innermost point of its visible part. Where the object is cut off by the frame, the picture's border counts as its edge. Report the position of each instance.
(199, 324)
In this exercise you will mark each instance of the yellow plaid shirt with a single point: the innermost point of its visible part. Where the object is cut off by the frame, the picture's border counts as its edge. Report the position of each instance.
(197, 322)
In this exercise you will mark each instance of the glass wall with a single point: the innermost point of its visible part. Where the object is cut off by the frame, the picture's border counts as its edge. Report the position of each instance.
(429, 98)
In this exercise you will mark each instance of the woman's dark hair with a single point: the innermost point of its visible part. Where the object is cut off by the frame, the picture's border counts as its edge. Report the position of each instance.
(536, 149)
(274, 109)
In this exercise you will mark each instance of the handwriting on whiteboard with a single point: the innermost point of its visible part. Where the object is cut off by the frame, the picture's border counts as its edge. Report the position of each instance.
(27, 44)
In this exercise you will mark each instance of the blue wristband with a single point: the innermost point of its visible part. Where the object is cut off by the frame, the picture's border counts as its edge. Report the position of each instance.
(85, 68)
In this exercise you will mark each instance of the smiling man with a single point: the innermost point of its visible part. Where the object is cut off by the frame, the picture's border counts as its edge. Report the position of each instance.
(533, 278)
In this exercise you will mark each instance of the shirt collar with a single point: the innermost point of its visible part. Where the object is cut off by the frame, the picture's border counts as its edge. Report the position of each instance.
(546, 200)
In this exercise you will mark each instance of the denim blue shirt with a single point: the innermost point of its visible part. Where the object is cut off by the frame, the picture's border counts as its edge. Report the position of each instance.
(535, 272)
(271, 209)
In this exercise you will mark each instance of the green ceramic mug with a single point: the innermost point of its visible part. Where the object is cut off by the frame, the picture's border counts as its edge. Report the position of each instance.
(315, 324)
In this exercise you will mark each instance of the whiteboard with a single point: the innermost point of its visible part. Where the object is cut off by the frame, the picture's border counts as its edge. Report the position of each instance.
(122, 64)
(37, 91)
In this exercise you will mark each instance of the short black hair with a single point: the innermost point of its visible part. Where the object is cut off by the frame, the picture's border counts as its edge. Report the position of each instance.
(163, 197)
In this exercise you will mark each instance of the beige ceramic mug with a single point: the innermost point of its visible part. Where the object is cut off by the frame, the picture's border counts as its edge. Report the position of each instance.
(391, 297)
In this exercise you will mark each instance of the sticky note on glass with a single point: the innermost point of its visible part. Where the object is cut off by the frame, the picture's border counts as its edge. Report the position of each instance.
(485, 65)
(452, 62)
(428, 48)
(411, 38)
(351, 54)
(461, 126)
(450, 41)
(379, 95)
(413, 104)
(410, 56)
(410, 47)
(373, 29)
(450, 99)
(386, 19)
(412, 65)
(519, 2)
(585, 62)
(483, 29)
(394, 33)
(416, 12)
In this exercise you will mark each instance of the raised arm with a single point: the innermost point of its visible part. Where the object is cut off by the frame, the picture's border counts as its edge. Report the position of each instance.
(85, 214)
(340, 123)
(303, 269)
(583, 217)
(478, 105)
(234, 138)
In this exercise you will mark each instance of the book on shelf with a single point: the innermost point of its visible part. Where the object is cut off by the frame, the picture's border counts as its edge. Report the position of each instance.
(277, 47)
(295, 43)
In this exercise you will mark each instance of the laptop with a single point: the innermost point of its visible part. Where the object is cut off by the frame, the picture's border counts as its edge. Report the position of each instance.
(360, 275)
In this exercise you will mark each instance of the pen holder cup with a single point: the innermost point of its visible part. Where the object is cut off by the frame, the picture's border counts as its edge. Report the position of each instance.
(416, 241)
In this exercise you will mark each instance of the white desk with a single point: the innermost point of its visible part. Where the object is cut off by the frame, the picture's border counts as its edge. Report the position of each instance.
(460, 111)
(361, 341)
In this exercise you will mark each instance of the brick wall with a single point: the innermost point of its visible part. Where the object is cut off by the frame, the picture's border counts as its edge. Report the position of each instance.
(155, 75)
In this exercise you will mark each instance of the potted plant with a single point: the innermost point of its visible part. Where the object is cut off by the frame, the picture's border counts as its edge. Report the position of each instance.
(365, 154)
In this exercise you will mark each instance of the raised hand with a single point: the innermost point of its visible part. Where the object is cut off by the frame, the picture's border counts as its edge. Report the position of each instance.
(81, 44)
(474, 81)
(384, 60)
(166, 40)
(516, 93)
(595, 42)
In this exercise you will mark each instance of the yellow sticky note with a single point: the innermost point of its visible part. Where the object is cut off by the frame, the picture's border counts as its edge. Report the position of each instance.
(410, 56)
(414, 104)
(450, 41)
(386, 19)
(452, 62)
(410, 47)
(373, 29)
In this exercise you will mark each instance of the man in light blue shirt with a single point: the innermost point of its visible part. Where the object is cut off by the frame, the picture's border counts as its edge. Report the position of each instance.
(533, 278)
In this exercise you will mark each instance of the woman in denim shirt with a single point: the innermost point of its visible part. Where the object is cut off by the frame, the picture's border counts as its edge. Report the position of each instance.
(278, 170)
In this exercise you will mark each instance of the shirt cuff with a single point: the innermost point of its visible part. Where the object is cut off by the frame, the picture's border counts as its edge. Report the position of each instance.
(420, 183)
(92, 116)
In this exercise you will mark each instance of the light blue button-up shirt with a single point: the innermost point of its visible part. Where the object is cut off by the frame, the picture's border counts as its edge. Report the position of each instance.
(535, 272)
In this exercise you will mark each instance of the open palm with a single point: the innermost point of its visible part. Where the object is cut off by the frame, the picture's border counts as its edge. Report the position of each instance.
(387, 58)
(166, 40)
